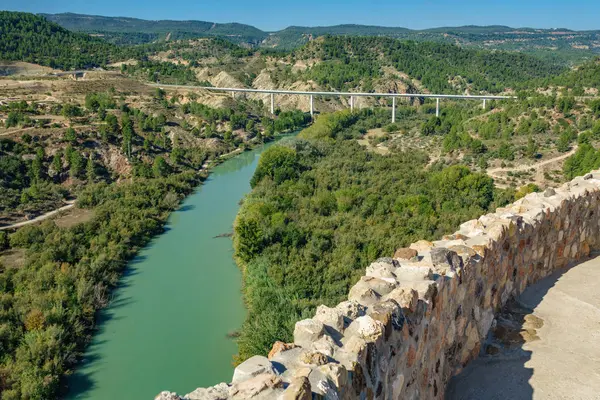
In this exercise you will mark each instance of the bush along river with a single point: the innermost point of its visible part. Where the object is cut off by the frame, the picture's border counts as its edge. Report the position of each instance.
(180, 299)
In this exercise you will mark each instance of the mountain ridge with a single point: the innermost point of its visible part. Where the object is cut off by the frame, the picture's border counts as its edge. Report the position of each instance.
(57, 16)
(560, 45)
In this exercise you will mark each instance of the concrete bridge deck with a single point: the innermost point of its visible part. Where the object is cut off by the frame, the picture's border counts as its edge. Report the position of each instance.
(546, 345)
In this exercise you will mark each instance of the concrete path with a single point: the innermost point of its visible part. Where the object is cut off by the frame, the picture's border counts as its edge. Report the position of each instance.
(558, 352)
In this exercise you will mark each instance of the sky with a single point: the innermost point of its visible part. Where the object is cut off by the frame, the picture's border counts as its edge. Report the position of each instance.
(278, 14)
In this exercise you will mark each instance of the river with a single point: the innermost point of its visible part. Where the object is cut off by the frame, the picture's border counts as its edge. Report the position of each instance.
(167, 326)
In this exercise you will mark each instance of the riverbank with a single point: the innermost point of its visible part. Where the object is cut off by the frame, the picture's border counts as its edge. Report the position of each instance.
(178, 302)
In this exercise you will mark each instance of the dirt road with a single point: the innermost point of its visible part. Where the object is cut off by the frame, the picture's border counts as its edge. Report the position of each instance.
(495, 171)
(70, 204)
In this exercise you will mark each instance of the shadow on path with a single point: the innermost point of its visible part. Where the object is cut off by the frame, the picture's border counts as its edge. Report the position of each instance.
(501, 371)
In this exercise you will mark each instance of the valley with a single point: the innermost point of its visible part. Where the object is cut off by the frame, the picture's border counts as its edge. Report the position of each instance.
(96, 169)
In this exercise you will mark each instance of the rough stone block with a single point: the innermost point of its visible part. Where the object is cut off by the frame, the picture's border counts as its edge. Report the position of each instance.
(298, 389)
(308, 331)
(331, 317)
(405, 253)
(278, 347)
(366, 328)
(252, 367)
(218, 392)
(167, 396)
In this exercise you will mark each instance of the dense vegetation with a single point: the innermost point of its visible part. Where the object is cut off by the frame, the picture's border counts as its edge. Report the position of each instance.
(47, 307)
(442, 68)
(586, 75)
(583, 161)
(163, 72)
(323, 207)
(27, 37)
(137, 31)
(48, 304)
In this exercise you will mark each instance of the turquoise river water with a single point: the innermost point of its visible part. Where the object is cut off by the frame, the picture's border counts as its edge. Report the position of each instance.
(167, 326)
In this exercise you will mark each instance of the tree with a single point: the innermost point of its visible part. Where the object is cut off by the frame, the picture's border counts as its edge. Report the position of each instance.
(277, 162)
(566, 104)
(177, 155)
(4, 243)
(14, 118)
(56, 165)
(127, 132)
(532, 148)
(159, 94)
(563, 142)
(37, 165)
(160, 167)
(112, 123)
(91, 102)
(250, 125)
(431, 126)
(76, 164)
(90, 170)
(70, 135)
(71, 111)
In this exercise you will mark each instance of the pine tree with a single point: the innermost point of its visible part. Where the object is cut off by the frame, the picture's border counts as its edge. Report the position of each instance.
(90, 170)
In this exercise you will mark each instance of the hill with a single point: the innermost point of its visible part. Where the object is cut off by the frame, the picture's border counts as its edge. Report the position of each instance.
(369, 64)
(122, 30)
(442, 68)
(31, 38)
(562, 45)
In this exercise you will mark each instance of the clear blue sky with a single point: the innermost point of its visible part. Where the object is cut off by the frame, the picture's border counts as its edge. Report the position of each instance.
(277, 14)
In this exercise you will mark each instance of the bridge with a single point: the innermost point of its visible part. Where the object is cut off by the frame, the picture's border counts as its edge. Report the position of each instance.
(350, 95)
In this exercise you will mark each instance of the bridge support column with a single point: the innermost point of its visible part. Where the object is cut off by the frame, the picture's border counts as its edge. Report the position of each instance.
(351, 103)
(272, 103)
(393, 109)
(233, 95)
(312, 110)
(484, 103)
(437, 107)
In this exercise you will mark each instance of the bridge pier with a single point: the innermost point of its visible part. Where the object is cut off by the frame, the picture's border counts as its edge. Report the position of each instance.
(484, 103)
(312, 110)
(272, 103)
(393, 109)
(352, 103)
(437, 107)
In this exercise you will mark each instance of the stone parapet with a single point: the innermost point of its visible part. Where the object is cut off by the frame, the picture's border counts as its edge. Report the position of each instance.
(415, 320)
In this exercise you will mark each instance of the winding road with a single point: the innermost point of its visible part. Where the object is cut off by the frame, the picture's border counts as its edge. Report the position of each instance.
(495, 172)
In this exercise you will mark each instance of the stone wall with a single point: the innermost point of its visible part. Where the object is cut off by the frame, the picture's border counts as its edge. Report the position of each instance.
(413, 321)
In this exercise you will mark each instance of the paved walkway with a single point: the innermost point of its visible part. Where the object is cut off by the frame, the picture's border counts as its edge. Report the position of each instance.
(555, 353)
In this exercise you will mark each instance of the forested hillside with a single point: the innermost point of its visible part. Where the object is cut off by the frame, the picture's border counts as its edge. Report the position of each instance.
(586, 75)
(123, 30)
(31, 38)
(442, 68)
(559, 45)
(336, 62)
